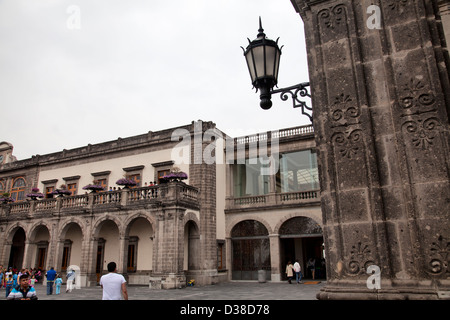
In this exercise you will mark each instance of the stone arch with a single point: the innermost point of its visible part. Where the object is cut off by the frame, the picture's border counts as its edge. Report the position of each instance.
(139, 237)
(71, 236)
(15, 245)
(101, 220)
(10, 231)
(106, 233)
(40, 236)
(191, 216)
(192, 245)
(231, 225)
(130, 219)
(250, 246)
(66, 225)
(276, 230)
(301, 239)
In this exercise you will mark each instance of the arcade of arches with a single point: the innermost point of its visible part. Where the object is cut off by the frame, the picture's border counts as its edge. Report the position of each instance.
(129, 243)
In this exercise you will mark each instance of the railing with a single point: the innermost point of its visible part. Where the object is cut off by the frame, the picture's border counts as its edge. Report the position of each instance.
(302, 130)
(144, 193)
(273, 199)
(123, 197)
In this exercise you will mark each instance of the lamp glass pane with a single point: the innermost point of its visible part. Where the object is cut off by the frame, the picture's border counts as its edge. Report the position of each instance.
(270, 61)
(277, 63)
(250, 65)
(258, 53)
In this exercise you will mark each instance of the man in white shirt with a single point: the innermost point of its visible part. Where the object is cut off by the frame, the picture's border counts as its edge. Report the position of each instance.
(298, 271)
(114, 285)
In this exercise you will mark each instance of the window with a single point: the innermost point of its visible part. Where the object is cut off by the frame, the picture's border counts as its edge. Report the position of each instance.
(298, 172)
(220, 254)
(48, 191)
(2, 188)
(249, 180)
(136, 177)
(103, 183)
(72, 187)
(18, 189)
(162, 173)
(132, 254)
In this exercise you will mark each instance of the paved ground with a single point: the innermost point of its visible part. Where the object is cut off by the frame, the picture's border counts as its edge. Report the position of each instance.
(223, 291)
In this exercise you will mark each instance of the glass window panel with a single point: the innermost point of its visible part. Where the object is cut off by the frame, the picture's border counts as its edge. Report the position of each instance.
(258, 54)
(298, 172)
(248, 180)
(270, 58)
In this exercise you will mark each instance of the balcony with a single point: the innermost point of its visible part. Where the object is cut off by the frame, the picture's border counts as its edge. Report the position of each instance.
(273, 200)
(167, 194)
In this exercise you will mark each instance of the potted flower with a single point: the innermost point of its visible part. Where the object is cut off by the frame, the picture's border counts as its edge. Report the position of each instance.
(5, 198)
(62, 191)
(126, 182)
(35, 194)
(174, 175)
(93, 187)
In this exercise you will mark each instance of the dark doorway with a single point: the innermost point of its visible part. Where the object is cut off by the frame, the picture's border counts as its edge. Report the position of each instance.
(17, 249)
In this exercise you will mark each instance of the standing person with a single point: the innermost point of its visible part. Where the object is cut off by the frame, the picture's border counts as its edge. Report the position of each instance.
(58, 283)
(9, 285)
(23, 291)
(298, 271)
(114, 285)
(70, 278)
(289, 271)
(311, 266)
(32, 281)
(51, 275)
(1, 277)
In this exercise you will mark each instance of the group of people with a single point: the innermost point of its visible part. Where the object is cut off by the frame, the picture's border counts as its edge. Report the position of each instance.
(312, 265)
(20, 285)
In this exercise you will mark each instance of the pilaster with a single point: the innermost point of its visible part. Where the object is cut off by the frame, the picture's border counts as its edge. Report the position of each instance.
(380, 96)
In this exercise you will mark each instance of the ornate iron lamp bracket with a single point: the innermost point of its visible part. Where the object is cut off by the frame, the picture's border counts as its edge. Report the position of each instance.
(296, 92)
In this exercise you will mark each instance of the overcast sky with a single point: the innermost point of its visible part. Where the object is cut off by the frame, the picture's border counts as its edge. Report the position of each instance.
(78, 72)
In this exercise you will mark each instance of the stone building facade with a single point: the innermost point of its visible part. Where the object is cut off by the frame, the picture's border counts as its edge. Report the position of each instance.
(226, 221)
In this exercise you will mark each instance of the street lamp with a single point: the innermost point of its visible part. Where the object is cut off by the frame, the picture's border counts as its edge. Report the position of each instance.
(263, 60)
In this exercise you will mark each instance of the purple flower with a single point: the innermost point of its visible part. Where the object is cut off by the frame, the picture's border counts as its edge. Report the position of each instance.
(93, 187)
(126, 182)
(35, 195)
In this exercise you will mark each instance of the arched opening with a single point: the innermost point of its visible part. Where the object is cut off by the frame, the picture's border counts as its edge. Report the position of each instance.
(250, 250)
(71, 252)
(107, 247)
(140, 251)
(301, 239)
(17, 249)
(40, 239)
(192, 246)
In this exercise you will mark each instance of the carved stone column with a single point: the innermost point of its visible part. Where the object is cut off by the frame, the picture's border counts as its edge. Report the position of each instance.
(380, 94)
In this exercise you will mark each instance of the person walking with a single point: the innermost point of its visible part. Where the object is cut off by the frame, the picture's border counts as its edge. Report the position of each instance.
(289, 271)
(113, 284)
(58, 283)
(298, 271)
(51, 275)
(70, 279)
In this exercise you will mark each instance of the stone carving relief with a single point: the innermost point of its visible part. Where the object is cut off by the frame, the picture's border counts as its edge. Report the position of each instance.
(360, 259)
(422, 132)
(333, 16)
(416, 98)
(347, 144)
(439, 256)
(417, 105)
(397, 5)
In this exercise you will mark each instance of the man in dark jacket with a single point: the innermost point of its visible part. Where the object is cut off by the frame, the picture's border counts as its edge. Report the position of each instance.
(51, 275)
